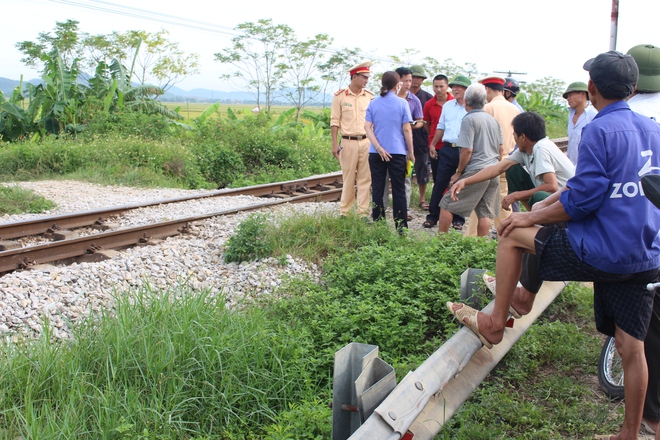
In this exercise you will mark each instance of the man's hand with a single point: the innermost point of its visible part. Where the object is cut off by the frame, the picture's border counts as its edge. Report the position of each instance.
(433, 153)
(508, 200)
(335, 151)
(411, 157)
(456, 189)
(515, 220)
(454, 179)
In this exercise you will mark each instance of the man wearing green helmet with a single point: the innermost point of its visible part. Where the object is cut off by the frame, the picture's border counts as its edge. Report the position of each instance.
(646, 101)
(580, 113)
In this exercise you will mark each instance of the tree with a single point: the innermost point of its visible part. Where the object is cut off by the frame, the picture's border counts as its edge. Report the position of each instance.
(433, 67)
(301, 64)
(66, 38)
(450, 69)
(335, 69)
(257, 56)
(548, 87)
(153, 58)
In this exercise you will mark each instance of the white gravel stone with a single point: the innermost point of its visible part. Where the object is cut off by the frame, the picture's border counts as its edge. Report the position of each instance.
(66, 295)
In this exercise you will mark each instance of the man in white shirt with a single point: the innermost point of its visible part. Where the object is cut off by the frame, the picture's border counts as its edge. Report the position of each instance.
(580, 113)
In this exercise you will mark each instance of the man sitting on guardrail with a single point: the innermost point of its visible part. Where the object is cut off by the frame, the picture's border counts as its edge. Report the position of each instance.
(535, 170)
(612, 230)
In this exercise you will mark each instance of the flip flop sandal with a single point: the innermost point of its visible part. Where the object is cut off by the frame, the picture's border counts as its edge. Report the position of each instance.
(491, 286)
(409, 217)
(457, 226)
(424, 206)
(467, 312)
(428, 225)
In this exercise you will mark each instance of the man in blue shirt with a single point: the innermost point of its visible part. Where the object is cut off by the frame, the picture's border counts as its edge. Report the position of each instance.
(448, 156)
(612, 230)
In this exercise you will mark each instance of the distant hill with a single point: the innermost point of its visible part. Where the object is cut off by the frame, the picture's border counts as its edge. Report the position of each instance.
(7, 85)
(176, 94)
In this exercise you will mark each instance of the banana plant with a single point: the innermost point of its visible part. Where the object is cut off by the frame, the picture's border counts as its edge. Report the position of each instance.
(17, 122)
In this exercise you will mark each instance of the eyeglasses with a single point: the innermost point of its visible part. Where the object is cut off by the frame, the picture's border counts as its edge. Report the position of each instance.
(363, 76)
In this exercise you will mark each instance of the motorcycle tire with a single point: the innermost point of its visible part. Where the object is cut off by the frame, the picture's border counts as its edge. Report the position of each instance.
(610, 370)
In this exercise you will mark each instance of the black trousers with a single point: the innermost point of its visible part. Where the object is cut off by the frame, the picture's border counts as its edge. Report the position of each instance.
(397, 170)
(448, 158)
(652, 350)
(434, 165)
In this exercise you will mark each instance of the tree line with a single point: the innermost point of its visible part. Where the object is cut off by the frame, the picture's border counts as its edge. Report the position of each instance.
(83, 74)
(269, 60)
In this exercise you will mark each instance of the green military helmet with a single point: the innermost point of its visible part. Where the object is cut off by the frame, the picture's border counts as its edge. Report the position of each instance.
(647, 57)
(577, 86)
(418, 70)
(460, 80)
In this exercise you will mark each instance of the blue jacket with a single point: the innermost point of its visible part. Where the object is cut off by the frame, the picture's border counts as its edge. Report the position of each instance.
(613, 226)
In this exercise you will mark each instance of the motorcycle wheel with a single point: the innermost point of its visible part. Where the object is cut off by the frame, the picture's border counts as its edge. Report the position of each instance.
(610, 370)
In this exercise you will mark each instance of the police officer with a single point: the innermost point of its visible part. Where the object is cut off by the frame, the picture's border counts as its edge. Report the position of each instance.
(349, 140)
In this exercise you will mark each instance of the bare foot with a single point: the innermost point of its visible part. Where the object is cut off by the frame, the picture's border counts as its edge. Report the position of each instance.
(489, 329)
(523, 300)
(484, 325)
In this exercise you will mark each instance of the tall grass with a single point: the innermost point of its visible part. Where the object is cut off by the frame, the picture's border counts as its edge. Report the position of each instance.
(172, 364)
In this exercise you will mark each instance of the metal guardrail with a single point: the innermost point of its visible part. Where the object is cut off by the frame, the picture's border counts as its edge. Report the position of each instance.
(428, 397)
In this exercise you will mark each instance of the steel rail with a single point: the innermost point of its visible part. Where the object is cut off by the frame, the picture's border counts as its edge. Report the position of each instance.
(23, 228)
(15, 259)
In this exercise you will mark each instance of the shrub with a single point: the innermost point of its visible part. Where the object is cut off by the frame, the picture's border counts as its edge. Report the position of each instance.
(249, 242)
(130, 123)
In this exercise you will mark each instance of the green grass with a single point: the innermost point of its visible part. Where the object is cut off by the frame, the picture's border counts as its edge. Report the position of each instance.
(216, 154)
(17, 200)
(173, 365)
(177, 364)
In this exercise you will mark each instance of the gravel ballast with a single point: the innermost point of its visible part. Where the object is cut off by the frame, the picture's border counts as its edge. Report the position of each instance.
(67, 294)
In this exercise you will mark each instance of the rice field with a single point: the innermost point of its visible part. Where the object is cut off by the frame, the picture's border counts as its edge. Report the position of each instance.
(190, 110)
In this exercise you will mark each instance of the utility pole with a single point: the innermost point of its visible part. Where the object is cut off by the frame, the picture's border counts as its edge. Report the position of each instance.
(615, 23)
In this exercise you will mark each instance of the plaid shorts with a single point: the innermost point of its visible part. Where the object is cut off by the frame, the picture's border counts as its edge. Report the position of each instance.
(619, 299)
(482, 198)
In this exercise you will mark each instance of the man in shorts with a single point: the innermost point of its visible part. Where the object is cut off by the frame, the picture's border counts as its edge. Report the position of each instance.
(646, 102)
(480, 143)
(612, 230)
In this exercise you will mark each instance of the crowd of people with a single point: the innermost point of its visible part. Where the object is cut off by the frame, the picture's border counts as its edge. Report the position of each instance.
(585, 216)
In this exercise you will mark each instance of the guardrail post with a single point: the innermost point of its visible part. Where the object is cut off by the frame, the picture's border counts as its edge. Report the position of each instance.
(360, 383)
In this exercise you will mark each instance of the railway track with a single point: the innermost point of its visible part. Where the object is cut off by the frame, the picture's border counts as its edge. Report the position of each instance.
(66, 247)
(69, 248)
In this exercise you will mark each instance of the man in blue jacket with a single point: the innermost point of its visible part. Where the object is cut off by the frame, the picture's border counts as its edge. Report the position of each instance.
(612, 230)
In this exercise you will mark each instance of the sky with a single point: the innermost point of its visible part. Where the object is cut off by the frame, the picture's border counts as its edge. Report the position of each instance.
(542, 39)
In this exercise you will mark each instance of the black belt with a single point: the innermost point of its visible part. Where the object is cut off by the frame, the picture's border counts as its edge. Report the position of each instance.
(355, 138)
(449, 144)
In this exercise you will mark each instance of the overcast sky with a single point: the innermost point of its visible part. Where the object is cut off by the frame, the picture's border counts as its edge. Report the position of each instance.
(551, 38)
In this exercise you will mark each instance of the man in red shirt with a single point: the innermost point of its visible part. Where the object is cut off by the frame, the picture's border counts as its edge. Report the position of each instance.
(432, 112)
